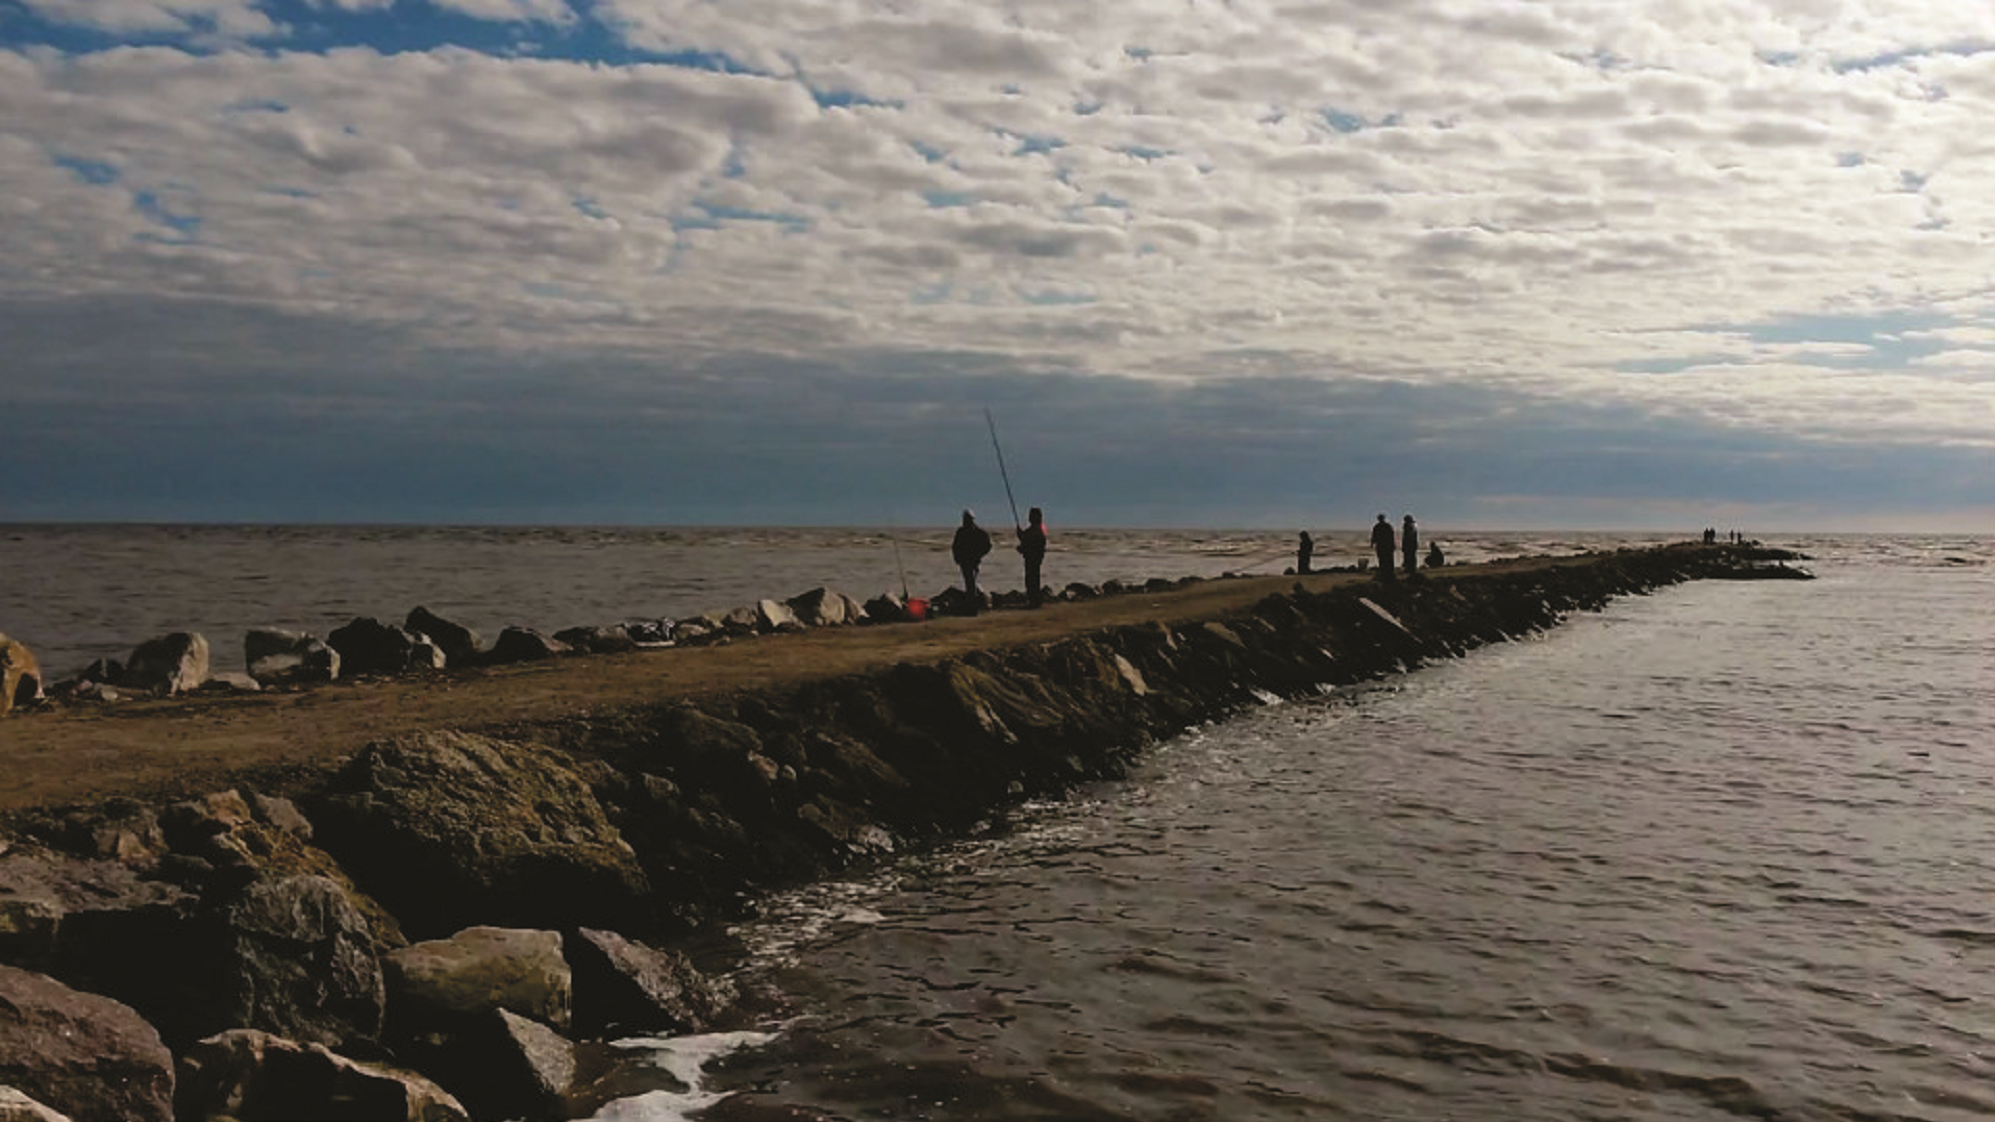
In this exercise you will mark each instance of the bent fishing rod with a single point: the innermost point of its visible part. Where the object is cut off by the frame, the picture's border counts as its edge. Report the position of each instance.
(999, 448)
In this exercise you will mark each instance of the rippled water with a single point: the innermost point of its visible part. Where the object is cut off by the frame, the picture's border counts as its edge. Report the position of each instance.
(74, 593)
(1724, 850)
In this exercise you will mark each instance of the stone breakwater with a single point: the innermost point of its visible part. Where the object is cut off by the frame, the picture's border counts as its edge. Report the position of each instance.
(441, 927)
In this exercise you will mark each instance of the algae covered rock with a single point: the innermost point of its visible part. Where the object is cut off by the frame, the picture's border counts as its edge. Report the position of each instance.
(450, 828)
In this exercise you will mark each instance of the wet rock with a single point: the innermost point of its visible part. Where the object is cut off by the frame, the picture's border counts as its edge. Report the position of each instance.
(85, 1055)
(605, 639)
(523, 644)
(18, 1107)
(449, 828)
(368, 646)
(20, 675)
(248, 1074)
(461, 645)
(623, 986)
(171, 664)
(276, 657)
(445, 986)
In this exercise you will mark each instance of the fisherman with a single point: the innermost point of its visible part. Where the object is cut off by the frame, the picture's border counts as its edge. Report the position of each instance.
(1382, 545)
(1409, 545)
(1304, 550)
(969, 548)
(1434, 558)
(1032, 546)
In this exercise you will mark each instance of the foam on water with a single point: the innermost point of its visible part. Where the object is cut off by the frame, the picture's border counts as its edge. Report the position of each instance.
(683, 1058)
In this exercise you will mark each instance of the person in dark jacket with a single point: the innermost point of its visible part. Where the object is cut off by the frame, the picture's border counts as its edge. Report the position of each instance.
(1382, 545)
(969, 549)
(1409, 545)
(1032, 546)
(1305, 548)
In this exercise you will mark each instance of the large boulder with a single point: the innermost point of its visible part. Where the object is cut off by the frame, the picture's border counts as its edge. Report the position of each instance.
(170, 664)
(450, 828)
(87, 1056)
(295, 956)
(821, 607)
(774, 615)
(623, 986)
(461, 646)
(20, 674)
(448, 985)
(248, 1074)
(524, 644)
(368, 646)
(277, 657)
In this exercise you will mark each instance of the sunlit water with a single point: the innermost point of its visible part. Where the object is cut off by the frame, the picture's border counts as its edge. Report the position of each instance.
(1724, 850)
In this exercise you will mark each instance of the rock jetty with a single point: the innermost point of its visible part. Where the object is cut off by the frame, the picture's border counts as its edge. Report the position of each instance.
(432, 926)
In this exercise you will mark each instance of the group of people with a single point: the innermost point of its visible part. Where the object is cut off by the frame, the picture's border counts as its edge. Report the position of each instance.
(1732, 537)
(1383, 543)
(973, 543)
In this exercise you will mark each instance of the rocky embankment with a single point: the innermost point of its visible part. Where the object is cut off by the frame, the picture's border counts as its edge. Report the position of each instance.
(477, 907)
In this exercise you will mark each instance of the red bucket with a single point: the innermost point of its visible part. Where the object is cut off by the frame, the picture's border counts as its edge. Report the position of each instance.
(917, 608)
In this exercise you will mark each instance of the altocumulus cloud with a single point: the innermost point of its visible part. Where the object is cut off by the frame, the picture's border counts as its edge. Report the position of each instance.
(1501, 263)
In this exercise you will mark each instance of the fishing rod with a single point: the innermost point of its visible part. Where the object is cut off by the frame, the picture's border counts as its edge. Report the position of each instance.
(999, 448)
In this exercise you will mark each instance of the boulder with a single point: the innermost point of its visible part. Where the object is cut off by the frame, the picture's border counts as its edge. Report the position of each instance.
(20, 675)
(744, 620)
(608, 639)
(450, 828)
(447, 985)
(821, 607)
(368, 646)
(510, 1067)
(649, 632)
(277, 657)
(17, 1107)
(87, 1056)
(170, 664)
(424, 654)
(886, 608)
(623, 986)
(295, 956)
(248, 1074)
(460, 645)
(774, 615)
(524, 644)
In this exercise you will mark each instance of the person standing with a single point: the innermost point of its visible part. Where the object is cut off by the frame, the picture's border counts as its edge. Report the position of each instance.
(1409, 545)
(1032, 546)
(1382, 545)
(969, 548)
(1304, 550)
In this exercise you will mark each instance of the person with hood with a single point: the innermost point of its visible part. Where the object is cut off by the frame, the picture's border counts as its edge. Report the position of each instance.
(1382, 545)
(1032, 546)
(1305, 548)
(1409, 545)
(969, 549)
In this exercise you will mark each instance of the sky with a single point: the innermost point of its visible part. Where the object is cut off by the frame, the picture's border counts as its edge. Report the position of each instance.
(1607, 264)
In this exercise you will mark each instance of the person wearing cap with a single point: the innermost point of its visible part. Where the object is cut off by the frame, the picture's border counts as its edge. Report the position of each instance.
(969, 548)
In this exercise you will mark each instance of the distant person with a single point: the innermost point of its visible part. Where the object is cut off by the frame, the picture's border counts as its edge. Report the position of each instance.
(1032, 546)
(1304, 550)
(1434, 558)
(969, 549)
(1409, 545)
(1382, 545)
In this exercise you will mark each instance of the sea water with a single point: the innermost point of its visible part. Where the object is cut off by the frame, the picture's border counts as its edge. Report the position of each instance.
(1723, 850)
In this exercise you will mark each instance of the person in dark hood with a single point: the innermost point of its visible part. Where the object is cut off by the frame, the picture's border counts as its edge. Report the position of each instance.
(1032, 546)
(1409, 545)
(969, 549)
(1305, 548)
(1382, 545)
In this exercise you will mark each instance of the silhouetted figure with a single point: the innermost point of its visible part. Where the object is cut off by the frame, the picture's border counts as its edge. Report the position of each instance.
(969, 549)
(1409, 545)
(1304, 550)
(1382, 545)
(1434, 558)
(1032, 546)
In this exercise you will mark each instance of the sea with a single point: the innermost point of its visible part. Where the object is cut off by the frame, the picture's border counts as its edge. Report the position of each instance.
(1723, 850)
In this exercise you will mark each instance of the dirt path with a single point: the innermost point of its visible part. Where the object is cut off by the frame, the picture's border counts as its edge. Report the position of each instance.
(169, 747)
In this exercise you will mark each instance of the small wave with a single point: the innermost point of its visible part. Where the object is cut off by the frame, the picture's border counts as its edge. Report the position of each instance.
(682, 1058)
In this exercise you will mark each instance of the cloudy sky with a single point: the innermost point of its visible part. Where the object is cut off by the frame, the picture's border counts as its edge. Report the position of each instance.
(1504, 263)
